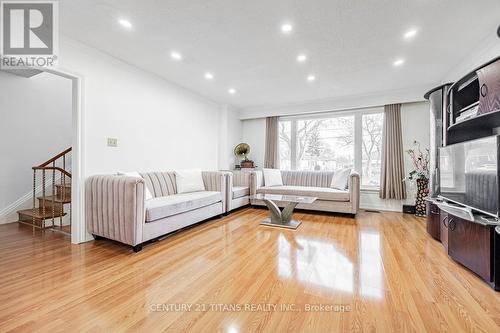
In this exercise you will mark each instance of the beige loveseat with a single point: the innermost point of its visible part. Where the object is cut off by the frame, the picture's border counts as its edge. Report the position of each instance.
(116, 207)
(314, 184)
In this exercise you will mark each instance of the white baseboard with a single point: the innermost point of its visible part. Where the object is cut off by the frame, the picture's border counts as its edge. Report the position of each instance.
(9, 213)
(386, 208)
(370, 200)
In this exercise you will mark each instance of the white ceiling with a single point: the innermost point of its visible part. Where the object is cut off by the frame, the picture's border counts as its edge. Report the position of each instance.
(350, 44)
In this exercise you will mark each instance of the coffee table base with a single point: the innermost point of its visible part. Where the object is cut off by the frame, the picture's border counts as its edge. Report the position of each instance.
(280, 218)
(292, 224)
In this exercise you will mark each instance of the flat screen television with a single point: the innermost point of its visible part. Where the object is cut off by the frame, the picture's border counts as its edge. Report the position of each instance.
(469, 174)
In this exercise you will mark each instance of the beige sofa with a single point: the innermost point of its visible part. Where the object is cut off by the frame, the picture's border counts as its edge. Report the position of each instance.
(238, 189)
(116, 207)
(315, 184)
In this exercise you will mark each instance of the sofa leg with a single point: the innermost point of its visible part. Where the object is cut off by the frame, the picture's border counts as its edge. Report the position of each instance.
(137, 248)
(353, 216)
(96, 237)
(225, 214)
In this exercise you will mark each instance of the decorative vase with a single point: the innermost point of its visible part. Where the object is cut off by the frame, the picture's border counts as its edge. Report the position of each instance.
(422, 192)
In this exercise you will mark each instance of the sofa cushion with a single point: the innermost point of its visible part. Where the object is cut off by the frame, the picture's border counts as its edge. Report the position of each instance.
(272, 177)
(188, 181)
(161, 207)
(340, 179)
(240, 191)
(322, 193)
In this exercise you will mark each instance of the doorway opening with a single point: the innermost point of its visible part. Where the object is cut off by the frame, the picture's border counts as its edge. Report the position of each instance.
(44, 111)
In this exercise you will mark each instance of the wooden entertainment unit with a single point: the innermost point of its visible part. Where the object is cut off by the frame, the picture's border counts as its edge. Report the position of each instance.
(471, 244)
(472, 105)
(467, 110)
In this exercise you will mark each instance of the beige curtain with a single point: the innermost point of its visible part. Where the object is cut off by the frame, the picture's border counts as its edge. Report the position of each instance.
(392, 173)
(271, 158)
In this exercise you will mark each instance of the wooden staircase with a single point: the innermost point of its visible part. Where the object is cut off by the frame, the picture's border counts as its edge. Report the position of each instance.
(49, 209)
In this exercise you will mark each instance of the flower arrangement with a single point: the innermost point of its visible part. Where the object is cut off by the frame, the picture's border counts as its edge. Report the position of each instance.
(420, 162)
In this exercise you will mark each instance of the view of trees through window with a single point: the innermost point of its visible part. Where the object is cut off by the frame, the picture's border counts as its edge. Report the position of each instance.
(329, 144)
(371, 149)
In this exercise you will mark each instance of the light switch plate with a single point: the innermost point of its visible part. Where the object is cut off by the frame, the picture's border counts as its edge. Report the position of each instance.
(112, 142)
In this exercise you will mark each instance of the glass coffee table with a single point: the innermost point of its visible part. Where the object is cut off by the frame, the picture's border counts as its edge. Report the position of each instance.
(282, 218)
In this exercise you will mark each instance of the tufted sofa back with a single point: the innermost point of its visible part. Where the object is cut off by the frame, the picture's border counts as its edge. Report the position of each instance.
(161, 184)
(307, 178)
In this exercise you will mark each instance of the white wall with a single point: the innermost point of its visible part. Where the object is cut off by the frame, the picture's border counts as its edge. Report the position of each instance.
(254, 133)
(414, 120)
(338, 104)
(35, 125)
(159, 125)
(487, 50)
(229, 136)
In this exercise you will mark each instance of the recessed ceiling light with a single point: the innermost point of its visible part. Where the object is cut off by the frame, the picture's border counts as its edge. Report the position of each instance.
(301, 58)
(125, 23)
(209, 76)
(410, 34)
(398, 62)
(311, 78)
(232, 91)
(286, 28)
(175, 55)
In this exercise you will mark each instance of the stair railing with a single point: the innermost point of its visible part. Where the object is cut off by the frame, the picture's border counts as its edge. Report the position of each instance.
(57, 166)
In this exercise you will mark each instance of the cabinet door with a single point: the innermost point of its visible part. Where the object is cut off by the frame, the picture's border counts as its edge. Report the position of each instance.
(433, 222)
(470, 244)
(489, 88)
(447, 118)
(443, 232)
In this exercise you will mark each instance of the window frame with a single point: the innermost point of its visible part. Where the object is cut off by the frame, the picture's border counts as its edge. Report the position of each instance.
(358, 135)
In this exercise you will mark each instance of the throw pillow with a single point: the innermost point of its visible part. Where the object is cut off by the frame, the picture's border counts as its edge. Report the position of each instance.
(340, 179)
(272, 177)
(189, 181)
(147, 192)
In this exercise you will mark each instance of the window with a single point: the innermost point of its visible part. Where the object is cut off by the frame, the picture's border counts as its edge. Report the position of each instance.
(334, 141)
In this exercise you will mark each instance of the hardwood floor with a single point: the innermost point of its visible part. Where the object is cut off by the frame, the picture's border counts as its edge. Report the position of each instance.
(380, 272)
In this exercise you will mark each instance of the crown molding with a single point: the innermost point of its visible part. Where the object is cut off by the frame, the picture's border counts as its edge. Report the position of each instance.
(337, 104)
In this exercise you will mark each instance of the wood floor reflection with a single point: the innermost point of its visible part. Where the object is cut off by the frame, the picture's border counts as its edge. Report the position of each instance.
(379, 272)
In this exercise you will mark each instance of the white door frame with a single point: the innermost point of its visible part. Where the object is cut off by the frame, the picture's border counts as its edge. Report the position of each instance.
(79, 232)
